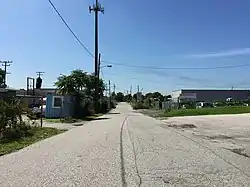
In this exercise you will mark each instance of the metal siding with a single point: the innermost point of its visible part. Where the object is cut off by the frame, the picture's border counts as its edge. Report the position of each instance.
(216, 95)
(66, 111)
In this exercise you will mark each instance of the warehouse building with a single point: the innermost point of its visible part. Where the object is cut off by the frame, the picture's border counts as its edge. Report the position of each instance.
(208, 95)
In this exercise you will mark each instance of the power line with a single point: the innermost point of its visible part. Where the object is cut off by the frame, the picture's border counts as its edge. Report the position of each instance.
(137, 66)
(176, 68)
(72, 32)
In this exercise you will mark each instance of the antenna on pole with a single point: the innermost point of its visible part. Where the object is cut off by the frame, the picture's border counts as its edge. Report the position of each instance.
(39, 73)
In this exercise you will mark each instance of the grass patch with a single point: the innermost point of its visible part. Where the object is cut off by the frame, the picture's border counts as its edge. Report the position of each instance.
(206, 111)
(62, 120)
(152, 112)
(34, 134)
(72, 120)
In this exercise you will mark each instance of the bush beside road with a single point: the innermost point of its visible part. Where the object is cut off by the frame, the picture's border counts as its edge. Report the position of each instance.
(16, 132)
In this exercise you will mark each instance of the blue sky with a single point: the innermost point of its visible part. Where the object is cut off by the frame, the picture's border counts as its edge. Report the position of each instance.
(161, 33)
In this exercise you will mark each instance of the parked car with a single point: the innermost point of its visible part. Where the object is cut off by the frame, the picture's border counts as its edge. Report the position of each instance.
(204, 105)
(37, 110)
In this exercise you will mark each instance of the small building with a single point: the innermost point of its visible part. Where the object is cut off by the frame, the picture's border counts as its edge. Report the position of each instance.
(207, 95)
(33, 98)
(58, 106)
(6, 92)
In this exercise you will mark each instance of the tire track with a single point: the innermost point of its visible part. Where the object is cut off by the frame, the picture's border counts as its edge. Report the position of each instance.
(123, 172)
(135, 155)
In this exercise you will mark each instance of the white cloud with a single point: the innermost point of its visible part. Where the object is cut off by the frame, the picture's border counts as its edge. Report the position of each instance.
(235, 52)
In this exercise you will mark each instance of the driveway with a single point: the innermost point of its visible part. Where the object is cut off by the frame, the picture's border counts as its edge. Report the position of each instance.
(124, 149)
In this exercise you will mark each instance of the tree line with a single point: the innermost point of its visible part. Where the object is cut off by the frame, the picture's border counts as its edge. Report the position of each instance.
(145, 101)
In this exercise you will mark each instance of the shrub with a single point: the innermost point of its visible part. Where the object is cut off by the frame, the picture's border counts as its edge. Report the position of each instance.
(103, 105)
(207, 111)
(11, 123)
(139, 105)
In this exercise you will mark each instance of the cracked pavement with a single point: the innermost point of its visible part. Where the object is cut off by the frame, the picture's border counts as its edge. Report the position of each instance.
(124, 149)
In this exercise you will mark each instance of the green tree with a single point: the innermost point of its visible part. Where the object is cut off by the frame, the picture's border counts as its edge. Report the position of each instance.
(82, 85)
(167, 97)
(119, 97)
(128, 98)
(1, 77)
(149, 95)
(79, 82)
(157, 95)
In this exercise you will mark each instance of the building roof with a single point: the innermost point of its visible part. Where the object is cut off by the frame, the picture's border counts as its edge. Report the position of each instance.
(212, 89)
(7, 89)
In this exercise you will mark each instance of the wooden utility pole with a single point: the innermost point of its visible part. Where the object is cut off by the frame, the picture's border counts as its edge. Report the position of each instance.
(5, 64)
(138, 89)
(106, 90)
(109, 96)
(98, 75)
(39, 73)
(114, 86)
(96, 8)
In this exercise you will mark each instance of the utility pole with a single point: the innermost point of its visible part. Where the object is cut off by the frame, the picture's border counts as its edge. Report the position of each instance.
(98, 75)
(109, 96)
(114, 86)
(96, 8)
(138, 89)
(106, 90)
(39, 73)
(131, 90)
(5, 64)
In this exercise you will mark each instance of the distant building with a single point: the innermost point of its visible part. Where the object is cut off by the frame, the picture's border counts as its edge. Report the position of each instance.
(45, 91)
(6, 92)
(30, 99)
(209, 95)
(37, 92)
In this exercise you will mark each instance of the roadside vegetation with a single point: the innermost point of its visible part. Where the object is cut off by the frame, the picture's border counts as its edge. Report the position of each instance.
(151, 104)
(81, 85)
(72, 120)
(205, 111)
(15, 133)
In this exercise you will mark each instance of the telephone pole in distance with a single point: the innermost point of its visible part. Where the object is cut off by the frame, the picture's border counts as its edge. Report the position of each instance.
(5, 64)
(98, 75)
(39, 73)
(114, 86)
(109, 96)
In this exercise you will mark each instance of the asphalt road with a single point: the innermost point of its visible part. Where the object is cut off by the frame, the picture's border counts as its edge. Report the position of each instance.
(124, 148)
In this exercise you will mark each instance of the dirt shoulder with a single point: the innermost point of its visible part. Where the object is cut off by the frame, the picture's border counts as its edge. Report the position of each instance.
(231, 132)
